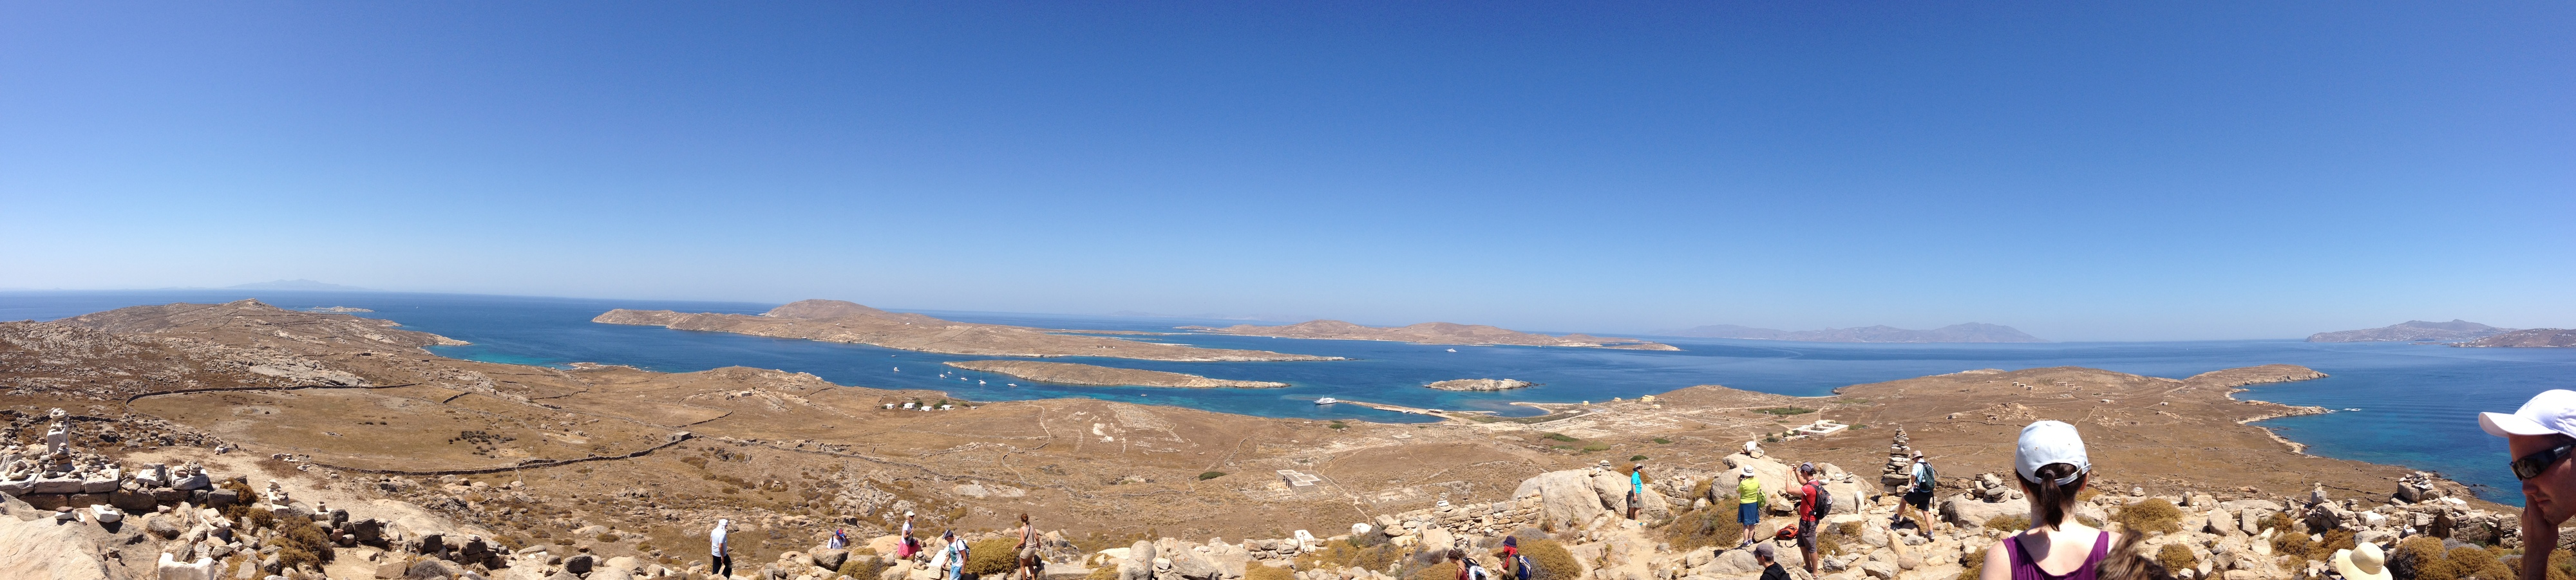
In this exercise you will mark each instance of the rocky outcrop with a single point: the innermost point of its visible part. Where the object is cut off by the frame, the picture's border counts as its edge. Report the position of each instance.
(1965, 332)
(1480, 384)
(838, 321)
(2413, 331)
(2534, 338)
(1082, 374)
(1431, 333)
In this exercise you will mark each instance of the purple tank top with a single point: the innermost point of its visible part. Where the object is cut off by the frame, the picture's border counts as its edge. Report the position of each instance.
(2023, 568)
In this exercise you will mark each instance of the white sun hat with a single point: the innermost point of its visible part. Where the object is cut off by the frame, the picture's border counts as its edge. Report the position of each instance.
(2550, 412)
(2362, 562)
(2046, 442)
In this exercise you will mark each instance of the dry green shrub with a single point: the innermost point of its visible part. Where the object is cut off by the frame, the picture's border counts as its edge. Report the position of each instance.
(2176, 557)
(2335, 540)
(870, 566)
(1256, 571)
(1550, 559)
(1972, 565)
(301, 544)
(1440, 571)
(2150, 515)
(1708, 527)
(1377, 555)
(242, 506)
(2281, 521)
(258, 518)
(2008, 523)
(2468, 563)
(2295, 544)
(992, 557)
(608, 538)
(1110, 572)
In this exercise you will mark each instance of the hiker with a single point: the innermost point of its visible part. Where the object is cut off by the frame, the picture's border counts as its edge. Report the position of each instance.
(2538, 436)
(1468, 569)
(1768, 557)
(723, 565)
(1748, 502)
(840, 540)
(910, 548)
(1636, 488)
(1028, 548)
(2051, 464)
(955, 554)
(1812, 507)
(1918, 492)
(1512, 559)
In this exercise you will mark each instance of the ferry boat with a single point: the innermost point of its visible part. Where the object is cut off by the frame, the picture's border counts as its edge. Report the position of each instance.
(1327, 401)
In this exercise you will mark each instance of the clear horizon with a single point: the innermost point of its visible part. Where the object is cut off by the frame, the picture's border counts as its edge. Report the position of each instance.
(2080, 173)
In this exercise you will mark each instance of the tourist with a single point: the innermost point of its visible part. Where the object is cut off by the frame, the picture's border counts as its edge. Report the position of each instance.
(2051, 464)
(1512, 560)
(1028, 548)
(1812, 496)
(1636, 488)
(910, 548)
(2538, 436)
(1748, 502)
(1766, 555)
(955, 553)
(723, 566)
(1918, 492)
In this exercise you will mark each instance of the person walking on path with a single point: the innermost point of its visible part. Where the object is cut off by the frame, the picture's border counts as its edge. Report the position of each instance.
(1766, 555)
(1028, 548)
(2050, 461)
(955, 552)
(1748, 502)
(722, 567)
(2539, 436)
(1918, 492)
(1811, 509)
(1636, 488)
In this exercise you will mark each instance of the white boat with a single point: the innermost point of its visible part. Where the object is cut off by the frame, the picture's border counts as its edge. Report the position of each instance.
(1327, 401)
(1453, 350)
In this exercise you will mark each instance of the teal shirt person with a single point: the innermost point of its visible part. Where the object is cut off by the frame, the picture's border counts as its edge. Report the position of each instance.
(1637, 482)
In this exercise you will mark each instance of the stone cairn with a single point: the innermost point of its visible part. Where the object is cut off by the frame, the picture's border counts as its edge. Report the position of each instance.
(1900, 461)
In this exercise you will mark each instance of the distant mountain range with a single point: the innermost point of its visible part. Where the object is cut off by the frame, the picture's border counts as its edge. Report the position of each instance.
(1967, 332)
(298, 284)
(2413, 331)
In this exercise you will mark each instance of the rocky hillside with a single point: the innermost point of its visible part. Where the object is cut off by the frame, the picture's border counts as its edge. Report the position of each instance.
(1082, 374)
(2534, 338)
(838, 321)
(1431, 333)
(1966, 332)
(2413, 331)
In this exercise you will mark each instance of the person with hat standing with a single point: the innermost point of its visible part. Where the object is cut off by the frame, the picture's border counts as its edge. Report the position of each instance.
(2052, 467)
(1748, 502)
(2539, 436)
(2362, 562)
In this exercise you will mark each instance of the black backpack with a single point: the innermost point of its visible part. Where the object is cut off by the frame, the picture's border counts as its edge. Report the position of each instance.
(1824, 500)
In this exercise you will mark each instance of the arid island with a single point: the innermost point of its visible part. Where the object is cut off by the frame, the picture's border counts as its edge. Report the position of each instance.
(389, 461)
(838, 321)
(1431, 333)
(1083, 374)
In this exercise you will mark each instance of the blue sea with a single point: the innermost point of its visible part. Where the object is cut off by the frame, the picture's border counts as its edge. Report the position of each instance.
(2417, 402)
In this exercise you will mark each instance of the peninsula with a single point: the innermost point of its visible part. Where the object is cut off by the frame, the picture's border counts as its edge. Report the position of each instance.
(1966, 332)
(1430, 333)
(2413, 331)
(2533, 338)
(839, 321)
(1480, 384)
(1082, 374)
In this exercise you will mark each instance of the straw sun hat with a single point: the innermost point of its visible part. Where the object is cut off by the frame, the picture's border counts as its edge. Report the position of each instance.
(2362, 562)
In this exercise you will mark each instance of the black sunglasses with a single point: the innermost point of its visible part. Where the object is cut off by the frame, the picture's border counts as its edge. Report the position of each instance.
(2530, 466)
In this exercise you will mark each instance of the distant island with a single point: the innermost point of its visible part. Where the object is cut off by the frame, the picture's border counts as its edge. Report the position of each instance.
(1430, 333)
(1082, 374)
(2413, 331)
(1480, 384)
(337, 309)
(1967, 332)
(2533, 338)
(840, 321)
(298, 284)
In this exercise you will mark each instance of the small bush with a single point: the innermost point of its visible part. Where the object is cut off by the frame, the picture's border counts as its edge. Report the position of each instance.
(1338, 425)
(2008, 523)
(608, 538)
(2295, 544)
(2176, 557)
(1211, 475)
(1663, 441)
(1107, 572)
(1786, 411)
(1559, 437)
(2281, 521)
(1972, 565)
(992, 557)
(1440, 571)
(258, 518)
(1255, 571)
(301, 544)
(1596, 447)
(1550, 558)
(1708, 527)
(870, 566)
(1375, 555)
(1636, 458)
(2151, 515)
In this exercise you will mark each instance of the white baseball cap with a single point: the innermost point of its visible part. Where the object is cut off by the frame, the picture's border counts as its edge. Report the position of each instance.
(2550, 412)
(2046, 442)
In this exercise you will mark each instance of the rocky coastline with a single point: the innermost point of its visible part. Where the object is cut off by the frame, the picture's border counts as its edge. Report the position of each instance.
(1092, 375)
(2533, 338)
(1431, 333)
(1481, 384)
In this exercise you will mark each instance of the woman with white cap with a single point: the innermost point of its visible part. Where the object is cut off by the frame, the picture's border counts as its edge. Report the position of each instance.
(1748, 502)
(2052, 466)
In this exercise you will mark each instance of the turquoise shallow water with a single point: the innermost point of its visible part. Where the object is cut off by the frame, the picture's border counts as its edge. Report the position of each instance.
(2418, 403)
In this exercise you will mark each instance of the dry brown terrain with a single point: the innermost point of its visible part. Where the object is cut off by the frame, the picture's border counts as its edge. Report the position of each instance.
(1431, 333)
(1082, 374)
(838, 321)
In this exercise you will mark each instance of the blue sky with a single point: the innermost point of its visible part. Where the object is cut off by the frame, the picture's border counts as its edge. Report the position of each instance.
(2082, 172)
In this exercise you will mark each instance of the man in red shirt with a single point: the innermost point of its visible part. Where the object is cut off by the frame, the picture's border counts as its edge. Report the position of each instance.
(1809, 511)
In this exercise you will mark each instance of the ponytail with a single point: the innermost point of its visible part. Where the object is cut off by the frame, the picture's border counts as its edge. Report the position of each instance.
(2050, 502)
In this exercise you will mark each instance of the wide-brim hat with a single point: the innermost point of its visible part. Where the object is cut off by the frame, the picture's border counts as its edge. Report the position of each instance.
(2362, 562)
(1748, 471)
